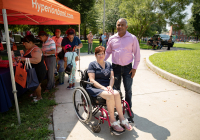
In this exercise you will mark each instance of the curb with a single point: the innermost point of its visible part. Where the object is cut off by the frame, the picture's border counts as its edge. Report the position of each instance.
(173, 78)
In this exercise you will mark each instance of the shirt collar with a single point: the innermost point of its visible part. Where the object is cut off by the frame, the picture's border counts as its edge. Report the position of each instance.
(46, 40)
(127, 34)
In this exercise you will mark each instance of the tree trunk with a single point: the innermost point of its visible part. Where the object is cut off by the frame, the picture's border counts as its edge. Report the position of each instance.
(113, 29)
(85, 33)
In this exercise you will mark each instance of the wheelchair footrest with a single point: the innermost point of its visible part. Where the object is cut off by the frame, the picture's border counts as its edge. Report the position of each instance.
(113, 132)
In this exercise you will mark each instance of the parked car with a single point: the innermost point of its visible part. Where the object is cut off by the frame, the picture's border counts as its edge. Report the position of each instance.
(164, 39)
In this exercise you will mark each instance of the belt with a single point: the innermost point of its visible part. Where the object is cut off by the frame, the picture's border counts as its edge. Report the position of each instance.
(50, 56)
(120, 65)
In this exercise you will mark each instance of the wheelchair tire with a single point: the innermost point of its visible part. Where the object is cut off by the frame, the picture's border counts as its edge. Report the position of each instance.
(96, 128)
(81, 100)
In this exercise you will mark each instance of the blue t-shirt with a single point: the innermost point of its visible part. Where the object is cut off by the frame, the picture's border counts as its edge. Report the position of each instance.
(61, 63)
(102, 76)
(66, 41)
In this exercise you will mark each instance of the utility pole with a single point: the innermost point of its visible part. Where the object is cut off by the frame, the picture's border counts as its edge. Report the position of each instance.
(104, 17)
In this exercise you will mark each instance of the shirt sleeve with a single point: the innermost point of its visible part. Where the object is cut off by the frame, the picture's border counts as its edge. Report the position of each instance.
(91, 68)
(108, 50)
(136, 52)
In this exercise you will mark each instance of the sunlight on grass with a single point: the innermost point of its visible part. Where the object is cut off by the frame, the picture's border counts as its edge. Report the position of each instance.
(184, 64)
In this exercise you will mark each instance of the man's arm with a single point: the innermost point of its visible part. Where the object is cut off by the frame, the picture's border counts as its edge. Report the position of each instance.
(136, 52)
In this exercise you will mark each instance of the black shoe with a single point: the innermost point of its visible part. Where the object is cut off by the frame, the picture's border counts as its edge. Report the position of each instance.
(131, 114)
(91, 52)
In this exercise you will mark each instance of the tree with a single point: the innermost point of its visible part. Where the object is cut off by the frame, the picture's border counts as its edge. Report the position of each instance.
(141, 14)
(196, 18)
(112, 14)
(82, 6)
(188, 29)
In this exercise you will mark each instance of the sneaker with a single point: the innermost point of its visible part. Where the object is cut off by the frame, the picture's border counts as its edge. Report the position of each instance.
(69, 87)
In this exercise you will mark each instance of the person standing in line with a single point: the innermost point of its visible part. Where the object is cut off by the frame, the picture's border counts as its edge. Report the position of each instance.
(103, 37)
(100, 40)
(122, 46)
(61, 69)
(58, 40)
(72, 40)
(71, 57)
(90, 40)
(49, 51)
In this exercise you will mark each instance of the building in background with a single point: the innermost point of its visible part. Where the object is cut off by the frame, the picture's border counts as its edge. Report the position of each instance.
(179, 36)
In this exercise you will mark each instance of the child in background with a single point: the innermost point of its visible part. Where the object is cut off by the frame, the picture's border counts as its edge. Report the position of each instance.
(71, 57)
(61, 69)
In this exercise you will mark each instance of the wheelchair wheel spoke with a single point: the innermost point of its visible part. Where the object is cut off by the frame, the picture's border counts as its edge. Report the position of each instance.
(81, 105)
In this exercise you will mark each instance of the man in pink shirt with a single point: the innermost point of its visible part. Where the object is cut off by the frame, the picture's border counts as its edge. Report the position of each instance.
(90, 40)
(122, 46)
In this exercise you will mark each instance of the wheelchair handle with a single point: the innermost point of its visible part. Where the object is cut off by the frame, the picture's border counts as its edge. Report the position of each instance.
(86, 82)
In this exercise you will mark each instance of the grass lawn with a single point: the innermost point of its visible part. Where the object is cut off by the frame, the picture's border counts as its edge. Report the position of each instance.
(195, 46)
(34, 118)
(183, 63)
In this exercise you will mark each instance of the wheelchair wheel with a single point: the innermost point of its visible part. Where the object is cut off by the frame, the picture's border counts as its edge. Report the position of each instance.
(82, 104)
(96, 128)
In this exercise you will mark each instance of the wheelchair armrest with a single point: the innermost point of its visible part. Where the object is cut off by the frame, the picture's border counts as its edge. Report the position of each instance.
(80, 71)
(86, 82)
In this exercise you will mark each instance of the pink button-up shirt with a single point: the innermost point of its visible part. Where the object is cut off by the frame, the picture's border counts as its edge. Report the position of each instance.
(122, 49)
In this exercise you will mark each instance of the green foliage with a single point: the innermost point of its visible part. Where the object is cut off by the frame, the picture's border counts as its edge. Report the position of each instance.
(34, 118)
(141, 14)
(184, 64)
(112, 14)
(196, 17)
(188, 29)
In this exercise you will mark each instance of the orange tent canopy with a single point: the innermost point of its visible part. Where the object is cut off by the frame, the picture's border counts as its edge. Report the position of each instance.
(38, 12)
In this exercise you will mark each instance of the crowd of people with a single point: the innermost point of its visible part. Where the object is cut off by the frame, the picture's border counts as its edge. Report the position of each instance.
(56, 53)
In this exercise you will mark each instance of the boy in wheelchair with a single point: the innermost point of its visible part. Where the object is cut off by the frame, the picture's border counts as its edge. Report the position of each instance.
(101, 83)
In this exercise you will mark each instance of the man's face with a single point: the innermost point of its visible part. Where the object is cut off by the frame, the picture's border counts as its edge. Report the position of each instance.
(105, 33)
(43, 38)
(57, 33)
(121, 26)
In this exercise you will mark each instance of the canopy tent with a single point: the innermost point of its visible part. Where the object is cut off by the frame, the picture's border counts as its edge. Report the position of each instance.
(34, 12)
(38, 12)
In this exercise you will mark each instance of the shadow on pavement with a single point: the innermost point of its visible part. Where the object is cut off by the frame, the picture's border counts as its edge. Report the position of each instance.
(145, 125)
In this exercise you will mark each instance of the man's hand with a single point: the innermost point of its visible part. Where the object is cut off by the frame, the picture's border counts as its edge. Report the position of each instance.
(133, 71)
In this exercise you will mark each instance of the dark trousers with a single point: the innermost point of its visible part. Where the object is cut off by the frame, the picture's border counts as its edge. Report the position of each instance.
(169, 45)
(122, 72)
(51, 63)
(89, 48)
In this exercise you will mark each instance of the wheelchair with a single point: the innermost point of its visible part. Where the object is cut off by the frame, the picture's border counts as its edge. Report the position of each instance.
(87, 106)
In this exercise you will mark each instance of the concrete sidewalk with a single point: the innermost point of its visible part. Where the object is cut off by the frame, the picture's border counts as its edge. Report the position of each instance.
(163, 110)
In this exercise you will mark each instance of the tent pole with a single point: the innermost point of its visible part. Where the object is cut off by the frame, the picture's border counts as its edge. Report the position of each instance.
(10, 62)
(79, 32)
